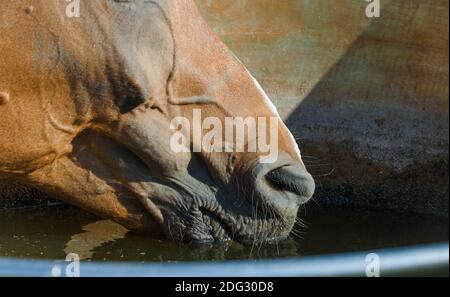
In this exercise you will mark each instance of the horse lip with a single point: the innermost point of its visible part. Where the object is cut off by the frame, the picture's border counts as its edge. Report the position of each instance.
(231, 228)
(221, 220)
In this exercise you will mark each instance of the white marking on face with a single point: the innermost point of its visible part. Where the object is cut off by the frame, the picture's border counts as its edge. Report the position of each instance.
(267, 100)
(273, 108)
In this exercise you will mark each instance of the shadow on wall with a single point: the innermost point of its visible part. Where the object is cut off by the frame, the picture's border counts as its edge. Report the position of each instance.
(375, 129)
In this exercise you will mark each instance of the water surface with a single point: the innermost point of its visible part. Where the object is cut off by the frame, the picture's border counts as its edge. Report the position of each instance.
(53, 232)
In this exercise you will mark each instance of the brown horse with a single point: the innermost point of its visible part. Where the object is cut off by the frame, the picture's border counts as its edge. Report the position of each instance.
(86, 105)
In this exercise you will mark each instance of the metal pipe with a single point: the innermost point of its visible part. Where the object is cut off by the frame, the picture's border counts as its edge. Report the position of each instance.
(404, 261)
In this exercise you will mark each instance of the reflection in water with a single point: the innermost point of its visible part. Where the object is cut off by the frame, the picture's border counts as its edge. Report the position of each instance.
(53, 232)
(94, 236)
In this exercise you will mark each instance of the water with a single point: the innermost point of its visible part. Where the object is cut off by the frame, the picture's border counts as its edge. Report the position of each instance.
(53, 232)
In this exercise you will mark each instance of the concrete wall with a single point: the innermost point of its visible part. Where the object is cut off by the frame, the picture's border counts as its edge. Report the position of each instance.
(373, 124)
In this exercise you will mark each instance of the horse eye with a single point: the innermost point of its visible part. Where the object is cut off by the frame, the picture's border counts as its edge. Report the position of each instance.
(130, 103)
(127, 94)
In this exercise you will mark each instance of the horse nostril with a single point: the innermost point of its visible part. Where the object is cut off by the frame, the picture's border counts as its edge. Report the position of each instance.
(292, 179)
(280, 187)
